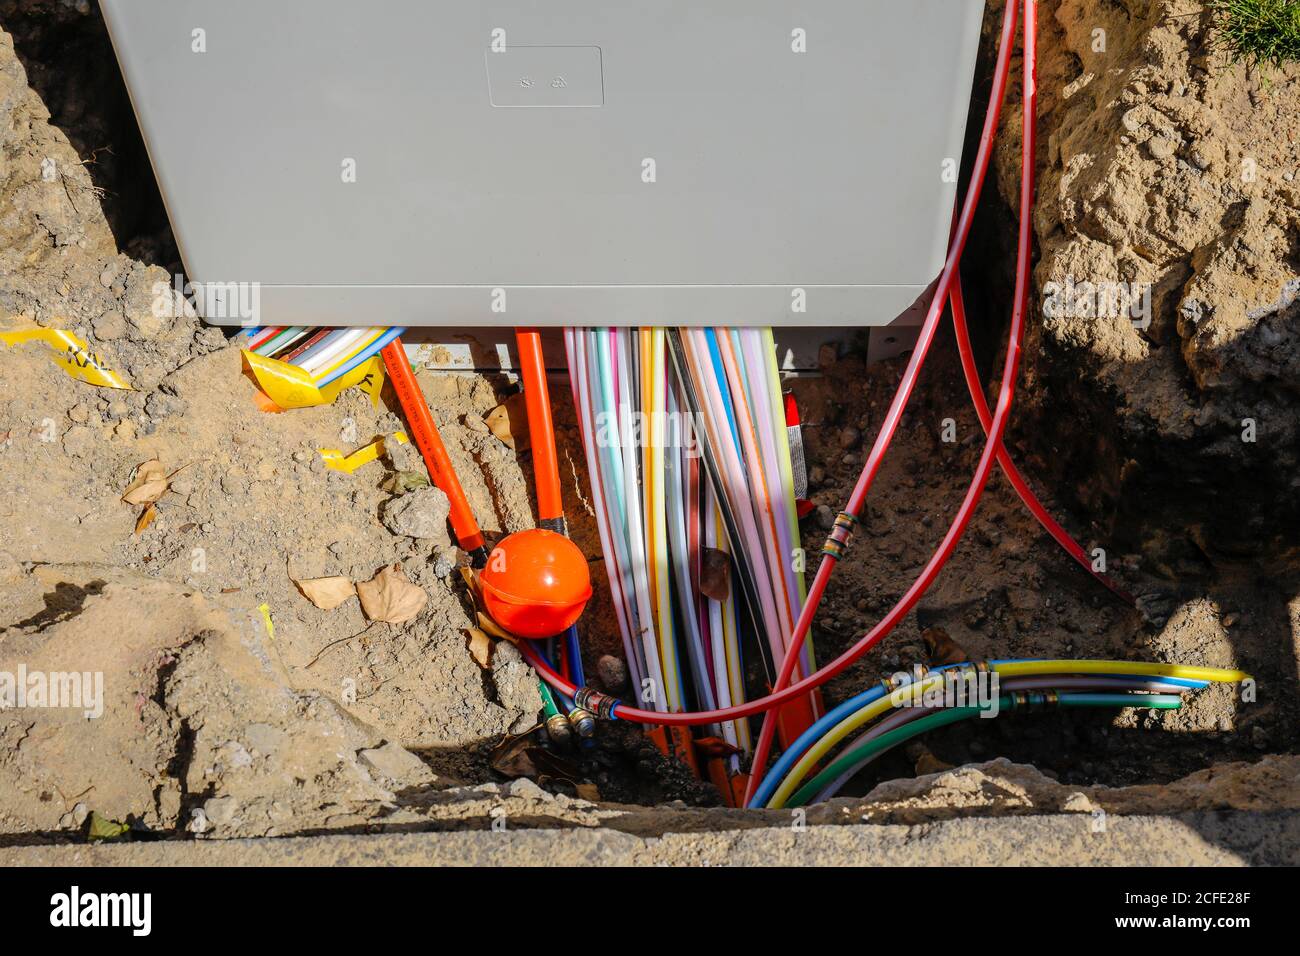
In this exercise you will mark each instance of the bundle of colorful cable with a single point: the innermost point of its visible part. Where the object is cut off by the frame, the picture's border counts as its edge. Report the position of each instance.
(324, 354)
(690, 468)
(909, 705)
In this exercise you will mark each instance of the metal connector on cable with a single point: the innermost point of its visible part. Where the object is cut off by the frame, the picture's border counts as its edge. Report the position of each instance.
(837, 544)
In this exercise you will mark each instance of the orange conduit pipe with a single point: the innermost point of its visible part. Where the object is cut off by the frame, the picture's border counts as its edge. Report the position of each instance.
(433, 451)
(546, 468)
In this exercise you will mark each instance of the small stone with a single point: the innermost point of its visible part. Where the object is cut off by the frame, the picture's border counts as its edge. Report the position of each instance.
(109, 326)
(828, 355)
(523, 787)
(1078, 803)
(421, 513)
(162, 405)
(394, 762)
(612, 671)
(233, 485)
(220, 810)
(209, 338)
(79, 413)
(300, 456)
(444, 562)
(825, 517)
(147, 325)
(1161, 147)
(850, 437)
(817, 476)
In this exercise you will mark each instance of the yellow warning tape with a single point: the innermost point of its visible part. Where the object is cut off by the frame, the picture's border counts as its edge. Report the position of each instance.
(72, 355)
(291, 387)
(349, 463)
(266, 618)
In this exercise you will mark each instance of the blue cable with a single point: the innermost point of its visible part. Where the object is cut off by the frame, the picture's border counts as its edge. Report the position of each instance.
(575, 655)
(719, 370)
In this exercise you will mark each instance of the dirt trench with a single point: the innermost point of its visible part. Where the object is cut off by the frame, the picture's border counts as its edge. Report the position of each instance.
(217, 725)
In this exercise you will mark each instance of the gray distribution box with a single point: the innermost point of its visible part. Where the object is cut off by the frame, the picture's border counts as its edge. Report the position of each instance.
(567, 162)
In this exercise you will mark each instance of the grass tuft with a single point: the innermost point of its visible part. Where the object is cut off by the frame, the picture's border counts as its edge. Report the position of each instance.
(1260, 31)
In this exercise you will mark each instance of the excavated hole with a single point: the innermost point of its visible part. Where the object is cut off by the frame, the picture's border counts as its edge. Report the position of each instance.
(1008, 593)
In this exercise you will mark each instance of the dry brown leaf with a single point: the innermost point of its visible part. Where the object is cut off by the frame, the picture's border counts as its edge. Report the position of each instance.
(480, 647)
(326, 593)
(498, 423)
(588, 791)
(150, 482)
(494, 629)
(390, 597)
(715, 574)
(146, 518)
(509, 422)
(510, 756)
(941, 648)
(471, 581)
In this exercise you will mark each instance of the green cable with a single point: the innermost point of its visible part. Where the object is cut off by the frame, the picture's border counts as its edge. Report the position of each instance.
(1152, 701)
(952, 715)
(548, 700)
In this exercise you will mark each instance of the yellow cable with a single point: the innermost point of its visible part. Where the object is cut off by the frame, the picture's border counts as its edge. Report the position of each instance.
(845, 727)
(1185, 671)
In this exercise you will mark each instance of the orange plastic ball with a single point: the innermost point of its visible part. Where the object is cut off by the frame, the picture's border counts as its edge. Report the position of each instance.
(536, 583)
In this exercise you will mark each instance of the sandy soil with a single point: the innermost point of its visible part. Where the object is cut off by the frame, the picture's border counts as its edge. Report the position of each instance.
(215, 727)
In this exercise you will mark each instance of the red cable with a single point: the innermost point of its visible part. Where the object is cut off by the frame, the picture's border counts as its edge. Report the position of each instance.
(1050, 524)
(983, 157)
(998, 426)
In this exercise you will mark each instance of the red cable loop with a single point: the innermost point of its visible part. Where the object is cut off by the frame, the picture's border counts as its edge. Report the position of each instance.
(1050, 524)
